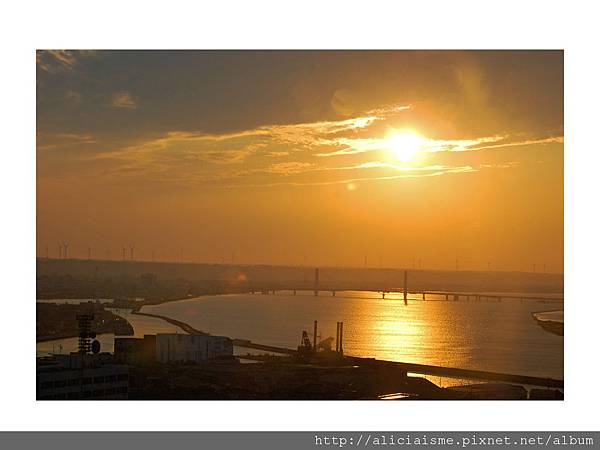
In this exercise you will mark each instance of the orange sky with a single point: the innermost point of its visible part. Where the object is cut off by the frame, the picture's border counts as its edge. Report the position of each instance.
(293, 157)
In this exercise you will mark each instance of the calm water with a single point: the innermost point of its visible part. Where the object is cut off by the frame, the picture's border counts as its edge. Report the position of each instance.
(486, 335)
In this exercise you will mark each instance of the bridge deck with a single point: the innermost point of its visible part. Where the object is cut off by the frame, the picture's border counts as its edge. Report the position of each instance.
(396, 290)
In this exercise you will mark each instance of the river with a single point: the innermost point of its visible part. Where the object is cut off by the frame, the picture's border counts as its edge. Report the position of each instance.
(485, 335)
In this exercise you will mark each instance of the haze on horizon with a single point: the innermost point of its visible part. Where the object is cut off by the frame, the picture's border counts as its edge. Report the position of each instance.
(303, 157)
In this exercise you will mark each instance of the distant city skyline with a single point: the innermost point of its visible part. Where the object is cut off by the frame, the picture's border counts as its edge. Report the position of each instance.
(406, 158)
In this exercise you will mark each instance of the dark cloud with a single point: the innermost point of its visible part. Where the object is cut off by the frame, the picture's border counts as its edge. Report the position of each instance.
(454, 94)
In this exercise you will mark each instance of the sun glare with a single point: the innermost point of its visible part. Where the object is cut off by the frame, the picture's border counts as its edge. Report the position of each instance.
(404, 145)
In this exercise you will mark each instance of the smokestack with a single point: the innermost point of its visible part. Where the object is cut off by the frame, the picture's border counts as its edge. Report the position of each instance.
(341, 337)
(315, 338)
(316, 281)
(337, 336)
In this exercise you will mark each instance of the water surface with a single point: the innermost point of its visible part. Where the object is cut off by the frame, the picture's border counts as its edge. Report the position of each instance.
(488, 335)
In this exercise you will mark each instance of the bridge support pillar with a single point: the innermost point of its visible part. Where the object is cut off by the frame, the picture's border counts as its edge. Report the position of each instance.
(406, 287)
(333, 293)
(423, 295)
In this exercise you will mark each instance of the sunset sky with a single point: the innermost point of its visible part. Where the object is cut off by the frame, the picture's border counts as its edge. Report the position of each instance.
(294, 157)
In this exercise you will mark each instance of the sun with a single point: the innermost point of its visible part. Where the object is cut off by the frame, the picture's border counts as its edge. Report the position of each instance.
(404, 145)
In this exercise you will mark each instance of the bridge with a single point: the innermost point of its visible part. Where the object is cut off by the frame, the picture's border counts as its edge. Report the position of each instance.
(335, 291)
(422, 294)
(333, 288)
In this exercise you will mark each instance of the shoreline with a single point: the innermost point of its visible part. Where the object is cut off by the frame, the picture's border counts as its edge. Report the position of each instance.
(450, 372)
(60, 338)
(184, 326)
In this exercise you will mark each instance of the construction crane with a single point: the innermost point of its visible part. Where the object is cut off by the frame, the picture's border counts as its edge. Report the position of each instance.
(305, 344)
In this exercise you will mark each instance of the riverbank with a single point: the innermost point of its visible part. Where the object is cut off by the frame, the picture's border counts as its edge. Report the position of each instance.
(54, 321)
(184, 326)
(551, 321)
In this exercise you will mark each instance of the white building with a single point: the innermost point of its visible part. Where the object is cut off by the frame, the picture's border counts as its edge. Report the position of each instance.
(191, 347)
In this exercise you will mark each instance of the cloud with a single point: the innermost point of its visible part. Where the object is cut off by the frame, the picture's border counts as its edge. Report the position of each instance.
(548, 140)
(270, 140)
(49, 141)
(353, 146)
(430, 172)
(123, 99)
(277, 154)
(288, 168)
(297, 152)
(57, 61)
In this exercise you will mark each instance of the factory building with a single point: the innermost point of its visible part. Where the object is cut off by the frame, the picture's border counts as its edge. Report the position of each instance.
(192, 347)
(76, 376)
(135, 351)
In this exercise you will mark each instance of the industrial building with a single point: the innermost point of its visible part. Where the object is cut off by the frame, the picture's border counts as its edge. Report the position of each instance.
(76, 376)
(192, 347)
(135, 351)
(167, 348)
